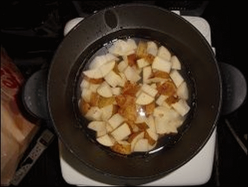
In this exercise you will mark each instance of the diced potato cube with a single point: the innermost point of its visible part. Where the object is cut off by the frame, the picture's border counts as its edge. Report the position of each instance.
(106, 140)
(147, 72)
(116, 120)
(149, 90)
(161, 64)
(164, 53)
(134, 138)
(94, 113)
(160, 100)
(176, 77)
(151, 136)
(152, 48)
(113, 79)
(176, 64)
(141, 145)
(163, 126)
(104, 90)
(121, 47)
(144, 99)
(93, 87)
(86, 94)
(182, 91)
(84, 84)
(116, 90)
(131, 74)
(141, 49)
(122, 65)
(142, 63)
(121, 132)
(97, 126)
(93, 73)
(107, 67)
(181, 107)
(151, 123)
(100, 60)
(107, 112)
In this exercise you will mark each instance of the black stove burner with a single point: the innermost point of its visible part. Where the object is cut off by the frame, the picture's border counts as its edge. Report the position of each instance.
(34, 95)
(234, 86)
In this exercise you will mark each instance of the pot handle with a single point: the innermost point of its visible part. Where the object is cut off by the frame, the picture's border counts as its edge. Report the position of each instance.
(234, 88)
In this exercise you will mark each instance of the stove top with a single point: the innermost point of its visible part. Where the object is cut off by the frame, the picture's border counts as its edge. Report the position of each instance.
(76, 174)
(39, 25)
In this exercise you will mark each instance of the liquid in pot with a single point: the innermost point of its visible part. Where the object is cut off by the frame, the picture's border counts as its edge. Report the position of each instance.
(135, 94)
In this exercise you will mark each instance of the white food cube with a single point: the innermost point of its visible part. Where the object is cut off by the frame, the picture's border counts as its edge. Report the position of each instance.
(84, 84)
(147, 72)
(105, 140)
(93, 87)
(181, 107)
(97, 125)
(152, 48)
(176, 64)
(106, 68)
(160, 100)
(107, 112)
(113, 79)
(149, 90)
(142, 63)
(161, 64)
(163, 126)
(116, 120)
(104, 90)
(122, 65)
(93, 73)
(176, 77)
(86, 94)
(144, 99)
(121, 132)
(182, 91)
(164, 53)
(94, 113)
(100, 60)
(131, 74)
(116, 90)
(141, 145)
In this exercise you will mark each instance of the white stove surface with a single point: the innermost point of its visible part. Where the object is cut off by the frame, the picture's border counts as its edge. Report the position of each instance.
(197, 171)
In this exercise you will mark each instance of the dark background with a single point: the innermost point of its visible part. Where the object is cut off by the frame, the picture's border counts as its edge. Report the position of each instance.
(32, 30)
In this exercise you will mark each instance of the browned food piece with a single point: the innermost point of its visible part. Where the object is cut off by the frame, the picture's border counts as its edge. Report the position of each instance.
(141, 50)
(151, 141)
(122, 147)
(94, 98)
(160, 74)
(142, 126)
(172, 99)
(104, 101)
(133, 127)
(94, 81)
(127, 107)
(149, 108)
(130, 88)
(133, 135)
(167, 88)
(149, 58)
(84, 106)
(132, 59)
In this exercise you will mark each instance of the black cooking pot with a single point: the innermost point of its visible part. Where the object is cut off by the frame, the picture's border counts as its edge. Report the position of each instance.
(87, 39)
